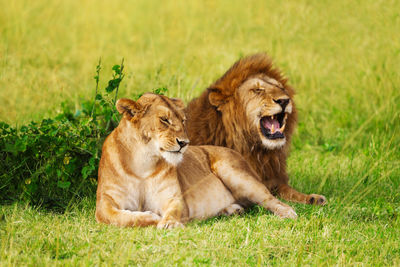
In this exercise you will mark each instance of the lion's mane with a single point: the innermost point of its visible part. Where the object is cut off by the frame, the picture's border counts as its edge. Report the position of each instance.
(207, 125)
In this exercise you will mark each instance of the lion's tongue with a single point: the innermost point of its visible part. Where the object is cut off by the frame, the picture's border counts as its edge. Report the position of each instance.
(268, 123)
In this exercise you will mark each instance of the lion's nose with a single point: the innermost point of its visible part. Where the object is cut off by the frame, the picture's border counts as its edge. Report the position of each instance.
(182, 143)
(282, 102)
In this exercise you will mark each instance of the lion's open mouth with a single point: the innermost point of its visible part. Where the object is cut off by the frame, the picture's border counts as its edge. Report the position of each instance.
(273, 126)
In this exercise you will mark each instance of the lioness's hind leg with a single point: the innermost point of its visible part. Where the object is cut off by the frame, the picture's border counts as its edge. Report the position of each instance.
(242, 181)
(107, 213)
(232, 209)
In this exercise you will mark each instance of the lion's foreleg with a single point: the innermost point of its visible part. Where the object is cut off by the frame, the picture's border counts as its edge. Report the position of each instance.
(290, 194)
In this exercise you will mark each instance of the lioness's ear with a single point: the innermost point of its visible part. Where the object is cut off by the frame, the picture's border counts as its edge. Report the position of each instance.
(127, 107)
(178, 102)
(216, 98)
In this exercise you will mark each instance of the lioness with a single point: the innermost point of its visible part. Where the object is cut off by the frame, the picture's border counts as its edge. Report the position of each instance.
(149, 175)
(250, 109)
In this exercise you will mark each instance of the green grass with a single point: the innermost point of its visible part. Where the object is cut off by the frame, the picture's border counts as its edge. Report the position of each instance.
(328, 236)
(342, 57)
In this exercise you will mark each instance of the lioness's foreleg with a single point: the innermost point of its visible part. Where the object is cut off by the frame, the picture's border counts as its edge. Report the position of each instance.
(172, 214)
(242, 181)
(107, 212)
(167, 199)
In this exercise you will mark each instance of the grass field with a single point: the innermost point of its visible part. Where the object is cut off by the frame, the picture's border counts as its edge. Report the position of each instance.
(342, 57)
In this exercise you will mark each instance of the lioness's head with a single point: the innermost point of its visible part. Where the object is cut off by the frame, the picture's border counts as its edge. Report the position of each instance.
(158, 122)
(260, 99)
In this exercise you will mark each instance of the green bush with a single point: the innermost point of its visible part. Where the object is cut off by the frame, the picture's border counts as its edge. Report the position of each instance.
(54, 163)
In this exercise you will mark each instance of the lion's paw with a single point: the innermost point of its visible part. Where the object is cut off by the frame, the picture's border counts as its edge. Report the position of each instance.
(315, 199)
(169, 224)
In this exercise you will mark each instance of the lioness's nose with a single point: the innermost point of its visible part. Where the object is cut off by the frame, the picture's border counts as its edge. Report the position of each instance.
(182, 143)
(282, 102)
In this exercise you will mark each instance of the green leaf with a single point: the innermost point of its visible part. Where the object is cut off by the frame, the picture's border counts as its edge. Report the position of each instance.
(160, 90)
(63, 185)
(86, 171)
(117, 69)
(4, 125)
(110, 86)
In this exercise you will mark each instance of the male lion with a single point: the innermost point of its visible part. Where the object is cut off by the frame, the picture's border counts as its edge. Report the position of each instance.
(251, 110)
(148, 175)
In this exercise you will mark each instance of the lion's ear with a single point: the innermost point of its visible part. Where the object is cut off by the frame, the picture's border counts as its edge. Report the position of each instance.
(178, 102)
(127, 107)
(216, 98)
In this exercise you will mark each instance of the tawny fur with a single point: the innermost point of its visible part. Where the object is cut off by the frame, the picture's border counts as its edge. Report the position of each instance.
(220, 116)
(147, 178)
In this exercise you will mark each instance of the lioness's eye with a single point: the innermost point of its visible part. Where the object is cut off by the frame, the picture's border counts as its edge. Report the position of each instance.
(165, 120)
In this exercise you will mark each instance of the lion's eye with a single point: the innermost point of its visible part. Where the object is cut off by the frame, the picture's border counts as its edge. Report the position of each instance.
(258, 90)
(165, 120)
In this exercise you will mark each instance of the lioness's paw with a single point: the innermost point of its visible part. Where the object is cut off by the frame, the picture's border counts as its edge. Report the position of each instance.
(315, 199)
(285, 212)
(169, 225)
(154, 216)
(232, 209)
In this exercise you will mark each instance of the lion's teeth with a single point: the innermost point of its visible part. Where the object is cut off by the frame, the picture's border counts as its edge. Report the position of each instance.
(273, 116)
(272, 128)
(284, 118)
(282, 128)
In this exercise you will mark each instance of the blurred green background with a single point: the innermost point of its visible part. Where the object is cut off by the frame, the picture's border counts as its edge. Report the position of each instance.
(336, 53)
